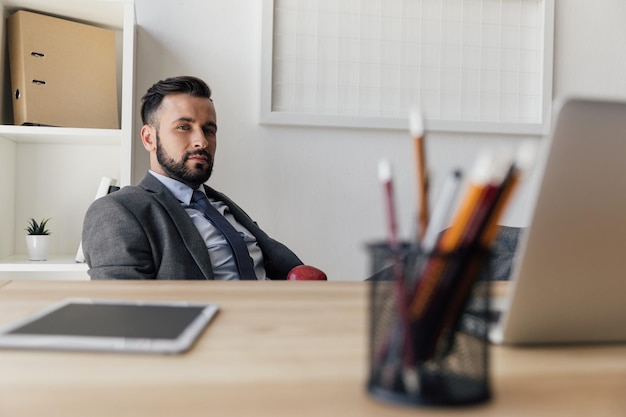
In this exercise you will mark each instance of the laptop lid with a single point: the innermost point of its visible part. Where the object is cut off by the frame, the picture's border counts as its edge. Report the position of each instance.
(569, 276)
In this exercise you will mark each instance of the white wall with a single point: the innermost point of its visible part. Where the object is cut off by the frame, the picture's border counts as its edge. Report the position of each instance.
(316, 189)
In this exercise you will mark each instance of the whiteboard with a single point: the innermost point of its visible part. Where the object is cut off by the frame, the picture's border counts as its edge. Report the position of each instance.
(469, 65)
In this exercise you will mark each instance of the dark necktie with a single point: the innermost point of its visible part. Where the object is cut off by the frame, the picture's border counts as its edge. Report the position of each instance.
(245, 266)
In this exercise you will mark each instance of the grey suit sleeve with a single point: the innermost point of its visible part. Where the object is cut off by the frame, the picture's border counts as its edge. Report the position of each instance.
(115, 244)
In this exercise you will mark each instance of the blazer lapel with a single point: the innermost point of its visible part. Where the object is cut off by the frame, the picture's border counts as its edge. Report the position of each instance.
(236, 211)
(187, 230)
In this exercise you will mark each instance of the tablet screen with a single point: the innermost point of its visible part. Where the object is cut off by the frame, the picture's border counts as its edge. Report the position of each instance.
(116, 325)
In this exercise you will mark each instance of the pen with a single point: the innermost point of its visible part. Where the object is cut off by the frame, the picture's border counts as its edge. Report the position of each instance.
(416, 126)
(442, 210)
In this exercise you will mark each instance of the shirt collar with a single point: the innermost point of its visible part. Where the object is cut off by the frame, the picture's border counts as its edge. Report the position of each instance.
(181, 191)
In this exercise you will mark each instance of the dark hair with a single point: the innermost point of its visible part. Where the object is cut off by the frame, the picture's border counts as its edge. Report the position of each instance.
(151, 101)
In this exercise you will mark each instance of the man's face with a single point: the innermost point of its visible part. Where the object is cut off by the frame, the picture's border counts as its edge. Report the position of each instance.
(182, 145)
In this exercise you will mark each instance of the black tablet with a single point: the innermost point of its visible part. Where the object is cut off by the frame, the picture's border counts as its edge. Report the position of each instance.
(111, 325)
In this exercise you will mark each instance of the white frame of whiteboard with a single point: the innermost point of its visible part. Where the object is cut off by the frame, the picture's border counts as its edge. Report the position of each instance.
(270, 115)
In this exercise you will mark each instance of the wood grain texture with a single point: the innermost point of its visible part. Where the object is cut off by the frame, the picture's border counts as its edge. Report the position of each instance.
(275, 349)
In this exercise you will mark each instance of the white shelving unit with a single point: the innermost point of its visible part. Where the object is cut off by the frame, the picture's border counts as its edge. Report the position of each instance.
(52, 171)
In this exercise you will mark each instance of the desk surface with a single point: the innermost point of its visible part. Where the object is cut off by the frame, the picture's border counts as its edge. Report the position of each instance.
(275, 349)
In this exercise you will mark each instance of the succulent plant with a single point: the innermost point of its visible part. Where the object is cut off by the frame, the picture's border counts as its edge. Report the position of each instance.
(35, 228)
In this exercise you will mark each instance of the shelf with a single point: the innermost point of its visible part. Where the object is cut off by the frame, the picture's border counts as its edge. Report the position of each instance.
(61, 135)
(55, 263)
(58, 267)
(48, 171)
(106, 13)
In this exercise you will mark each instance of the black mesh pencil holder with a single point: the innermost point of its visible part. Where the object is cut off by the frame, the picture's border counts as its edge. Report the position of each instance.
(428, 327)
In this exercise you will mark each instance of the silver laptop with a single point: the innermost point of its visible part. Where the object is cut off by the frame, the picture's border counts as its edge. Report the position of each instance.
(569, 276)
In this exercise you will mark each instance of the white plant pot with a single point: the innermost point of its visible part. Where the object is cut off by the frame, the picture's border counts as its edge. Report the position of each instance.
(38, 246)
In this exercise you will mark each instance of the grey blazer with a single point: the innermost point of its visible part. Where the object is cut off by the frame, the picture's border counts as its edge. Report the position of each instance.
(143, 232)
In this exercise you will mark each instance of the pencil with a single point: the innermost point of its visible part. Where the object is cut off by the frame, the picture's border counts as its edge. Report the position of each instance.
(384, 175)
(403, 345)
(502, 165)
(416, 126)
(480, 187)
(446, 282)
(475, 245)
(524, 160)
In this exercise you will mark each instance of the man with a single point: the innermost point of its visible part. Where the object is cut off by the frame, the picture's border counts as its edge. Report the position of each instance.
(163, 228)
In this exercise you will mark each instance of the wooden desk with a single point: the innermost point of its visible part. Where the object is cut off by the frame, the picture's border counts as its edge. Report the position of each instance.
(275, 349)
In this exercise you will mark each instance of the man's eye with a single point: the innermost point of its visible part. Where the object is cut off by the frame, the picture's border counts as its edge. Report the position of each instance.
(183, 127)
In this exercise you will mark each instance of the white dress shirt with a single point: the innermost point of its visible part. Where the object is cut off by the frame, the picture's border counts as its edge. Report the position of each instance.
(220, 252)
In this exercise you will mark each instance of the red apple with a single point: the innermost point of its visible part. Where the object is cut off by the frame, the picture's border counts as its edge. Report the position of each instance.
(306, 273)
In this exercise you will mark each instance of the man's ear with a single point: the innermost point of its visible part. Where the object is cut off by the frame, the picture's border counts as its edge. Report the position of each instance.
(148, 137)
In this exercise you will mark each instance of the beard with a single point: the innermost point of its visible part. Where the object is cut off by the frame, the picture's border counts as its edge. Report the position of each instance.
(193, 176)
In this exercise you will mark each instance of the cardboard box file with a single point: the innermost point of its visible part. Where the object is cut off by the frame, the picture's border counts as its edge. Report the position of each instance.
(62, 72)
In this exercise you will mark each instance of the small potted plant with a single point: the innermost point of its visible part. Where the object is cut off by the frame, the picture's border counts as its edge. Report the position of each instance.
(38, 240)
